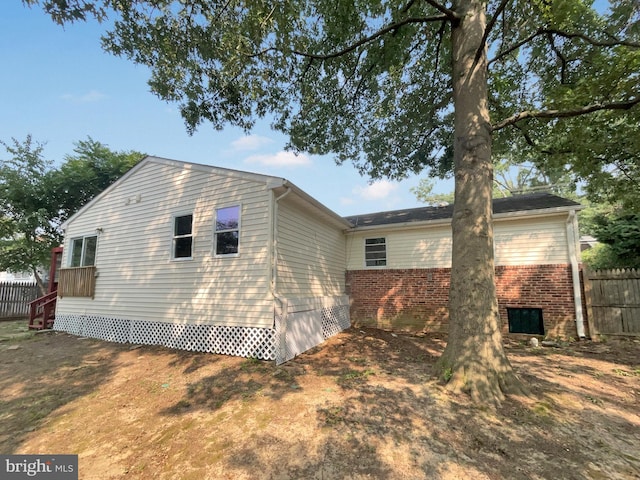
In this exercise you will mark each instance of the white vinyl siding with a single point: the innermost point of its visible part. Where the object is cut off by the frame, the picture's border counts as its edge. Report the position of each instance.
(311, 254)
(137, 279)
(533, 241)
(423, 248)
(537, 241)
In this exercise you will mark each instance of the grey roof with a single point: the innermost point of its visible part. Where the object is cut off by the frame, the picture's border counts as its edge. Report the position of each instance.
(516, 203)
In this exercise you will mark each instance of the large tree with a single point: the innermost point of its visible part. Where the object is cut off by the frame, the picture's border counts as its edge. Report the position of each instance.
(394, 86)
(36, 198)
(26, 235)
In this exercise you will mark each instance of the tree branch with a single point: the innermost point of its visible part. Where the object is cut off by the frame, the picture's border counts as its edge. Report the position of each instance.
(440, 34)
(516, 46)
(563, 60)
(615, 42)
(565, 113)
(488, 28)
(359, 43)
(450, 14)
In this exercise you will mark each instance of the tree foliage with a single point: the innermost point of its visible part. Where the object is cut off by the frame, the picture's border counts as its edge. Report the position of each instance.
(509, 178)
(618, 232)
(371, 81)
(84, 174)
(399, 87)
(26, 235)
(36, 198)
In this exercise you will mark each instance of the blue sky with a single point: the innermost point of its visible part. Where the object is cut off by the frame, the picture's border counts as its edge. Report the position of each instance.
(58, 85)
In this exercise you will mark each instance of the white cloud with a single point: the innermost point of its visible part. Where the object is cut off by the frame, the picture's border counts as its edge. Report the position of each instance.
(280, 159)
(89, 97)
(250, 142)
(376, 191)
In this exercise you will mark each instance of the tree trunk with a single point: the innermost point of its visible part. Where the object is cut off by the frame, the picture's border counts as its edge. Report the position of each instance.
(474, 360)
(39, 282)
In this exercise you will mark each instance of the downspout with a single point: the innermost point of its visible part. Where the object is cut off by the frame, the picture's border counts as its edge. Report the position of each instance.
(274, 278)
(572, 242)
(274, 258)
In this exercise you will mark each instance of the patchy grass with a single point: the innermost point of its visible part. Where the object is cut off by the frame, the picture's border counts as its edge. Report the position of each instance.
(362, 405)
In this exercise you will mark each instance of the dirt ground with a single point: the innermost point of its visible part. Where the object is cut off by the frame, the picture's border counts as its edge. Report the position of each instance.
(362, 405)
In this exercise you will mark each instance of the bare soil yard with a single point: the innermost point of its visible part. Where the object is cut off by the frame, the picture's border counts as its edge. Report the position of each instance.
(362, 405)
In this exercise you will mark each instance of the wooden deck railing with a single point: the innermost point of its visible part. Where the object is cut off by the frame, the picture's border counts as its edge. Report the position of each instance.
(77, 282)
(42, 311)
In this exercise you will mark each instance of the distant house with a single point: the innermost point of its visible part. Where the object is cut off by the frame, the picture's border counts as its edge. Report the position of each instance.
(210, 259)
(11, 277)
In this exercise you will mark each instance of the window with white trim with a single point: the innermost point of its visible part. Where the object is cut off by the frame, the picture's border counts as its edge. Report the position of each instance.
(83, 251)
(182, 245)
(375, 252)
(226, 236)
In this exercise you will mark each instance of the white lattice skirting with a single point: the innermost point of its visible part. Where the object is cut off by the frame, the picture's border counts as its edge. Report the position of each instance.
(237, 341)
(304, 323)
(292, 334)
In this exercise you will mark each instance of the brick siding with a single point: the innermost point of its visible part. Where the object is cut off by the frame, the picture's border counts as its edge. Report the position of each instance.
(417, 299)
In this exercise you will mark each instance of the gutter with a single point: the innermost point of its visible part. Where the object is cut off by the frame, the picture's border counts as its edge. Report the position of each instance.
(520, 214)
(572, 243)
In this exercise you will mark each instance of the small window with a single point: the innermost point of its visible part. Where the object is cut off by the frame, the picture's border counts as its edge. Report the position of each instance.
(525, 320)
(227, 230)
(183, 236)
(83, 251)
(375, 252)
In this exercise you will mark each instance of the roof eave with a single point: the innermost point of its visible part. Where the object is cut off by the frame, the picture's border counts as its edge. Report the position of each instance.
(337, 219)
(541, 212)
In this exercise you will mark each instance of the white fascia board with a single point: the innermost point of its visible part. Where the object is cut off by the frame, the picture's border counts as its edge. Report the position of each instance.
(542, 212)
(227, 172)
(255, 177)
(400, 226)
(521, 214)
(337, 219)
(87, 205)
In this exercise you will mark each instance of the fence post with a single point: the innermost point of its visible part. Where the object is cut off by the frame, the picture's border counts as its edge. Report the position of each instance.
(588, 295)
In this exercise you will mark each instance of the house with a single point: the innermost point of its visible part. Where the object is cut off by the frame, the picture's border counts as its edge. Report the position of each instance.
(14, 277)
(203, 258)
(398, 267)
(210, 259)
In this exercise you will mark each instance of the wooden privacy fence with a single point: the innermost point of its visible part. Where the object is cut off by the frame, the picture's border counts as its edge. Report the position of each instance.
(15, 298)
(613, 301)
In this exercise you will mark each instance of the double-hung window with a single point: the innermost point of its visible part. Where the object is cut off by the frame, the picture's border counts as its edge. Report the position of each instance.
(83, 251)
(182, 247)
(226, 236)
(375, 252)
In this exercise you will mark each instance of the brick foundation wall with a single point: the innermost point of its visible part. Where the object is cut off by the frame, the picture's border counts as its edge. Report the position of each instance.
(417, 299)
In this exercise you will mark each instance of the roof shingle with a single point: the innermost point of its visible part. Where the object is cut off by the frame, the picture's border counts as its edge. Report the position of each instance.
(516, 203)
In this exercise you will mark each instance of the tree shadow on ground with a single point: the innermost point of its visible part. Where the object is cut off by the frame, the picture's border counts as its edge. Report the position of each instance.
(389, 407)
(37, 377)
(362, 405)
(240, 380)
